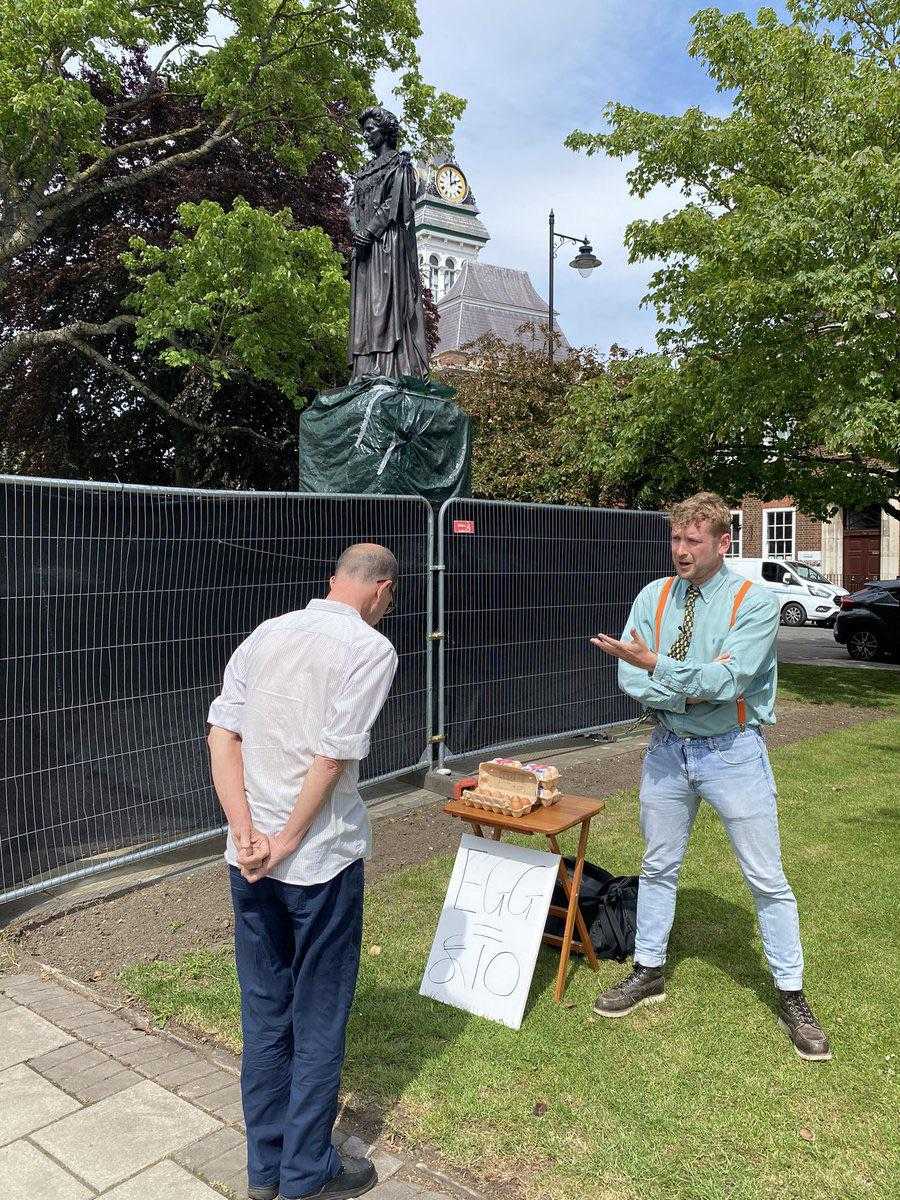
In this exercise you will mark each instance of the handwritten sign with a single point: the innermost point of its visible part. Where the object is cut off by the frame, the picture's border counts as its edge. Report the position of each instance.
(490, 929)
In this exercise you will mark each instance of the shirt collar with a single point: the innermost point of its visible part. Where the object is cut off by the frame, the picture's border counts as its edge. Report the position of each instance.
(711, 587)
(335, 606)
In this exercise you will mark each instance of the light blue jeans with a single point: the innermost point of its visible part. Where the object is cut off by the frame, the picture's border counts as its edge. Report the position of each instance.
(732, 773)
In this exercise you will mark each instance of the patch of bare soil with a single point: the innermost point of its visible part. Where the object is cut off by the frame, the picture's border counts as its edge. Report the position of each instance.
(192, 911)
(795, 722)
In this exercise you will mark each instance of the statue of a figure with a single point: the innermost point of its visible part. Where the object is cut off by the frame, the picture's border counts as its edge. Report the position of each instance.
(387, 329)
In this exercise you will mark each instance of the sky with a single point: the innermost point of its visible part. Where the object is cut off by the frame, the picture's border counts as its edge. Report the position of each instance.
(532, 71)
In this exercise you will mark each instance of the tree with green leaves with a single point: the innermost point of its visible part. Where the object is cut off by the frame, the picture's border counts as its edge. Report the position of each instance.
(277, 78)
(777, 289)
(64, 412)
(231, 293)
(517, 404)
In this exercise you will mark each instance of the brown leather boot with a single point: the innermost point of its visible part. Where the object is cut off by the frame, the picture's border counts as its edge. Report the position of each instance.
(808, 1036)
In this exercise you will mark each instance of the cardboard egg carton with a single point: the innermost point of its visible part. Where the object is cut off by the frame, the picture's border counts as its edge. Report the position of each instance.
(511, 789)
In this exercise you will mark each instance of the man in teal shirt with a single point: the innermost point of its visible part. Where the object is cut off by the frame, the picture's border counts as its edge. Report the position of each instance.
(709, 693)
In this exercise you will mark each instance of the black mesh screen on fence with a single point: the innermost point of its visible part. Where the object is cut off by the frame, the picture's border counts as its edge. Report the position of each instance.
(121, 607)
(526, 586)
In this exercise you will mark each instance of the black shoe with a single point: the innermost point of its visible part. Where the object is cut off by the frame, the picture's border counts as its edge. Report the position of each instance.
(645, 985)
(356, 1177)
(263, 1193)
(808, 1036)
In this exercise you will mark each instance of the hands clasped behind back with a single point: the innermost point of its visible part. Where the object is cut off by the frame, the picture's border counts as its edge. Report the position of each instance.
(253, 853)
(261, 852)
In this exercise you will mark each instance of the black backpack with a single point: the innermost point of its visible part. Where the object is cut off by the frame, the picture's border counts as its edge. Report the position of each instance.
(609, 905)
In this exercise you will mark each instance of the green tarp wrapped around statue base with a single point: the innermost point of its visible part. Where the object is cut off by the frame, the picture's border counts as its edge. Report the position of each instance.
(391, 437)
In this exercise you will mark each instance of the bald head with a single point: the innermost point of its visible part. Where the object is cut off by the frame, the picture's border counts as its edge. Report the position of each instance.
(366, 562)
(365, 577)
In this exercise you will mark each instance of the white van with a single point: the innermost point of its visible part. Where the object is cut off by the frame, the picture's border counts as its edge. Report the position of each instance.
(803, 593)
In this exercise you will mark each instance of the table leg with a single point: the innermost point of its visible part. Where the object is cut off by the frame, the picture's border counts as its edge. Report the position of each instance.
(496, 831)
(583, 935)
(573, 914)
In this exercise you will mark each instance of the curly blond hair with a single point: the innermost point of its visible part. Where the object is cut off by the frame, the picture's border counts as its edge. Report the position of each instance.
(704, 506)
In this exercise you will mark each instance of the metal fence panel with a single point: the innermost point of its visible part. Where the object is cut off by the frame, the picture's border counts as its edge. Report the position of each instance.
(120, 608)
(524, 588)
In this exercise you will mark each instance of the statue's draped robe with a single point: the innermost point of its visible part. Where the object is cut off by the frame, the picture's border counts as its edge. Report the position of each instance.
(387, 329)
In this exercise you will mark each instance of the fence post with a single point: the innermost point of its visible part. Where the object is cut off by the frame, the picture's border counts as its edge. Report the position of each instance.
(440, 568)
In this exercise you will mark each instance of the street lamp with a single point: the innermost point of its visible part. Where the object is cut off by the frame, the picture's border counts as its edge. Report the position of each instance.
(584, 262)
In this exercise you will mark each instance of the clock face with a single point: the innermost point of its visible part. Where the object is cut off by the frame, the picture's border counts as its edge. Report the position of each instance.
(451, 183)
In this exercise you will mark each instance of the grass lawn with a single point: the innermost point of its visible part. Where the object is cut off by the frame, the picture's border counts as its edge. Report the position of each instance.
(701, 1098)
(839, 685)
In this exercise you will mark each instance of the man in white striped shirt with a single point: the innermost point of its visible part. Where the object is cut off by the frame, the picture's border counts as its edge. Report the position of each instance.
(288, 731)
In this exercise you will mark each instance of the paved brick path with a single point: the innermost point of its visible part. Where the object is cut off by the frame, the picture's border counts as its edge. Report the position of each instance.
(90, 1106)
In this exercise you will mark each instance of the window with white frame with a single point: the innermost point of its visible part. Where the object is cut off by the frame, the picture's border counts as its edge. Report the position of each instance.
(737, 526)
(778, 532)
(433, 276)
(449, 275)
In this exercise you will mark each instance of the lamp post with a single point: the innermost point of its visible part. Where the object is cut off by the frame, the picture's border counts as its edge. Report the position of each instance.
(584, 262)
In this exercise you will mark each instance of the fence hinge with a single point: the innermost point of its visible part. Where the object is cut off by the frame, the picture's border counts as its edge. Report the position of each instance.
(438, 737)
(437, 636)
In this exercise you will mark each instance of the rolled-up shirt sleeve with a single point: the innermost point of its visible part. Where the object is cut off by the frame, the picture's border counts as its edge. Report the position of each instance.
(227, 709)
(348, 723)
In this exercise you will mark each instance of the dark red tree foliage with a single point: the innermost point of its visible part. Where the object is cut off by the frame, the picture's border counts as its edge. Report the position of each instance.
(63, 415)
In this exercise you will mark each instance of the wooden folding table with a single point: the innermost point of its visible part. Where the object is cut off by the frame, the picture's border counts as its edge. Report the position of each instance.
(551, 822)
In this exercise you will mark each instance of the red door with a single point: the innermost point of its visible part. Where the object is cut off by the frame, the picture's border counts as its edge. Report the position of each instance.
(862, 557)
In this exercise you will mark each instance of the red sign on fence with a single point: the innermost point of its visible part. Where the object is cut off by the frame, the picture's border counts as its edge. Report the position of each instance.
(463, 526)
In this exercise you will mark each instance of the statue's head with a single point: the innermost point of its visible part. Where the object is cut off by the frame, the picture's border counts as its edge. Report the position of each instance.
(385, 123)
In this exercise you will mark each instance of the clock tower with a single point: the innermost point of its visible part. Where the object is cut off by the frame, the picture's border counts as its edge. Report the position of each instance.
(448, 229)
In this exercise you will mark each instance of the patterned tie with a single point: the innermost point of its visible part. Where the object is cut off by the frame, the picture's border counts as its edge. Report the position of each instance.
(680, 645)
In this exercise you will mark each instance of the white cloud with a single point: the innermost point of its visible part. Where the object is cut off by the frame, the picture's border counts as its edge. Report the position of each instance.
(532, 71)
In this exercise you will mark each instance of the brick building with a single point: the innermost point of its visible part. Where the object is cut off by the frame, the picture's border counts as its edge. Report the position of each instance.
(849, 549)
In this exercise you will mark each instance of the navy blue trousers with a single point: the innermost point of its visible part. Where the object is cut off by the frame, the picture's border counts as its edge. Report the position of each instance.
(297, 951)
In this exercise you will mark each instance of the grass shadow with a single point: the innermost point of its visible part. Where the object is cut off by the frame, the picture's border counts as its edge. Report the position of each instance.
(389, 1044)
(858, 688)
(546, 969)
(879, 816)
(722, 934)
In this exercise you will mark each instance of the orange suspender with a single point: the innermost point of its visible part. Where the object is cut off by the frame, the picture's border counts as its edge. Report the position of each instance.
(738, 600)
(661, 608)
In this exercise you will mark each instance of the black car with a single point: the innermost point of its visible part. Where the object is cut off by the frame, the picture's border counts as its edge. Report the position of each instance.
(869, 621)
